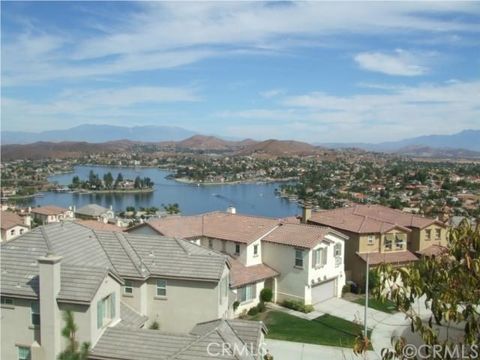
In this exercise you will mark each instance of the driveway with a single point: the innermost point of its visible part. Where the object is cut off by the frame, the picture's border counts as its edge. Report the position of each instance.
(289, 350)
(350, 311)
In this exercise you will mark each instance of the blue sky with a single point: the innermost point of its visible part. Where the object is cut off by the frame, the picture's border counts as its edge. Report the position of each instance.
(317, 72)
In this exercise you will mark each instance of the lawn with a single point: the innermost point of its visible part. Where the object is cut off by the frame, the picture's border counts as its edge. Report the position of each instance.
(324, 330)
(387, 306)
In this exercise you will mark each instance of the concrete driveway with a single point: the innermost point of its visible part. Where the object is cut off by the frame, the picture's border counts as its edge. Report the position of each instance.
(289, 350)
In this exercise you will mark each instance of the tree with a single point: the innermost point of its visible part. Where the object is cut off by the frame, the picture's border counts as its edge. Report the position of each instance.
(450, 283)
(108, 180)
(72, 351)
(118, 180)
(171, 209)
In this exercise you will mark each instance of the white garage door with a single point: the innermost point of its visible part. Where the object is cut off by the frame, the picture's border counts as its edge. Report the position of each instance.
(323, 291)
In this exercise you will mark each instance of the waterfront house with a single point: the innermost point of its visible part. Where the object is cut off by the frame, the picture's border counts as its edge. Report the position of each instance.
(12, 225)
(385, 234)
(297, 261)
(117, 285)
(51, 214)
(95, 212)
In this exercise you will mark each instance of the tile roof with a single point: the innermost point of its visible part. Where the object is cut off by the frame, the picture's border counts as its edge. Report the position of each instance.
(49, 210)
(142, 344)
(98, 225)
(301, 235)
(433, 250)
(10, 219)
(365, 219)
(226, 226)
(394, 257)
(91, 210)
(126, 255)
(242, 275)
(130, 317)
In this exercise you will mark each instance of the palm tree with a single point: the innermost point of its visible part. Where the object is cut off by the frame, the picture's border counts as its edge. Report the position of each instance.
(72, 351)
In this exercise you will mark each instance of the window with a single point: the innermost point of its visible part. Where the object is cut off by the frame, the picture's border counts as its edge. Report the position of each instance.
(246, 293)
(338, 250)
(161, 287)
(237, 249)
(371, 239)
(23, 353)
(428, 234)
(400, 241)
(105, 310)
(316, 258)
(210, 243)
(21, 231)
(7, 301)
(438, 234)
(35, 310)
(299, 258)
(255, 250)
(128, 288)
(12, 232)
(389, 241)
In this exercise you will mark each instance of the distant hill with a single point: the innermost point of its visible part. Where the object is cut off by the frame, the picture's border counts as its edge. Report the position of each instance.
(279, 148)
(66, 149)
(466, 139)
(201, 142)
(438, 153)
(99, 134)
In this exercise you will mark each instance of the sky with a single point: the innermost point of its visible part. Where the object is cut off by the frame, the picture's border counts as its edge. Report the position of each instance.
(310, 71)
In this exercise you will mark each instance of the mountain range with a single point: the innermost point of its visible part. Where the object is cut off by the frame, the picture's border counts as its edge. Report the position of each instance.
(99, 134)
(466, 139)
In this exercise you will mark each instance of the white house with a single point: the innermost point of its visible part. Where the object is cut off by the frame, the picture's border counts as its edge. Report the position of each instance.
(12, 225)
(296, 261)
(51, 214)
(116, 285)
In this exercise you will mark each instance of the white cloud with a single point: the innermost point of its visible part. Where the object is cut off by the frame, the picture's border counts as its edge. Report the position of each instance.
(268, 94)
(162, 35)
(400, 112)
(400, 62)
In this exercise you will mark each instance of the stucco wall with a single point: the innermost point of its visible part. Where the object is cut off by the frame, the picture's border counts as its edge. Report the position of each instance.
(6, 234)
(424, 243)
(254, 302)
(292, 281)
(16, 328)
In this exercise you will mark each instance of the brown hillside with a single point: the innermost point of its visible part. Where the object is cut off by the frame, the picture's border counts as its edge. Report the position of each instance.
(280, 148)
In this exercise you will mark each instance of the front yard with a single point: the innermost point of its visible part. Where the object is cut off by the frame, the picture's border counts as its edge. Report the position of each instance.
(324, 330)
(387, 306)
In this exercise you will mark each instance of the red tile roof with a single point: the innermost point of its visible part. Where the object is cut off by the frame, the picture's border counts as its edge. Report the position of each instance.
(433, 250)
(300, 235)
(364, 219)
(219, 225)
(10, 219)
(49, 210)
(394, 257)
(241, 275)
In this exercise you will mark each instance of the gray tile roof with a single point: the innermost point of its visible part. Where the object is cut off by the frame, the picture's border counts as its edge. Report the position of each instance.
(124, 255)
(91, 210)
(143, 344)
(130, 317)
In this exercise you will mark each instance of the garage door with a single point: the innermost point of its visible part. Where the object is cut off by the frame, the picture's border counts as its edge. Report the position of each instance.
(323, 291)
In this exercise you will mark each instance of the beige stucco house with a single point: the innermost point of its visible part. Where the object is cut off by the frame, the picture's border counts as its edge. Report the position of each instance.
(117, 285)
(12, 225)
(51, 214)
(296, 261)
(385, 234)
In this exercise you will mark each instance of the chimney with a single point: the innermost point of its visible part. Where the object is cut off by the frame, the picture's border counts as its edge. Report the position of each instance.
(50, 315)
(231, 210)
(27, 220)
(306, 212)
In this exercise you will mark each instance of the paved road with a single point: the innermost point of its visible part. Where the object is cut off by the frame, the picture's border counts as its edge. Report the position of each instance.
(289, 350)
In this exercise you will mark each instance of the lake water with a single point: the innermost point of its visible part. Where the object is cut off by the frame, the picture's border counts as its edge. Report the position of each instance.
(255, 199)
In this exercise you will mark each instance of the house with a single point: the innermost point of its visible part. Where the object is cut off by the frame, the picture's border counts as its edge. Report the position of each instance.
(95, 212)
(12, 225)
(116, 285)
(297, 261)
(381, 234)
(51, 214)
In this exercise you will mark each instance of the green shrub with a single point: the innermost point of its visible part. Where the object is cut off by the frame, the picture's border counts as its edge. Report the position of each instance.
(236, 305)
(154, 326)
(346, 288)
(261, 306)
(266, 295)
(253, 311)
(298, 306)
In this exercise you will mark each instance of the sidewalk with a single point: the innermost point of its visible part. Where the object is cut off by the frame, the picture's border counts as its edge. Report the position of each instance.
(309, 316)
(289, 350)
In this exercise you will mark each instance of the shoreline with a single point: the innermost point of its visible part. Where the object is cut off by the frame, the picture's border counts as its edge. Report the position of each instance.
(251, 181)
(88, 192)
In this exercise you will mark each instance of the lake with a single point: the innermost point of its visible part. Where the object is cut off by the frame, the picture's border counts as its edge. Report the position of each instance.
(255, 199)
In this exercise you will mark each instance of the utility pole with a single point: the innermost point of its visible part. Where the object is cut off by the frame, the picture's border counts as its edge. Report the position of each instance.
(365, 330)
